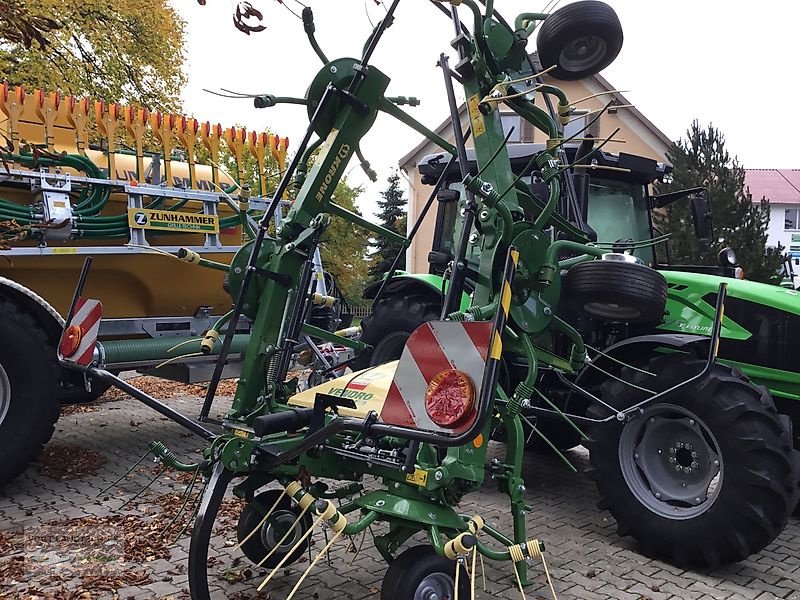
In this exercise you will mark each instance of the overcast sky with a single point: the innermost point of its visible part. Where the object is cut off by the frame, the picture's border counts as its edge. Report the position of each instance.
(732, 63)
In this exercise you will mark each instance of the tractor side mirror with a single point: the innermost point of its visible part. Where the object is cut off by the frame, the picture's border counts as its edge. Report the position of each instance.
(701, 215)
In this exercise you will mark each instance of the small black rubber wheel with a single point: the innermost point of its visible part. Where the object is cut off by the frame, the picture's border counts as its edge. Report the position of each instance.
(273, 530)
(582, 38)
(704, 478)
(392, 320)
(29, 404)
(611, 290)
(421, 574)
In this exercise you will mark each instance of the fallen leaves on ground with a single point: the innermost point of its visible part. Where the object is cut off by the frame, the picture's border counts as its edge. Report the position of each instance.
(62, 461)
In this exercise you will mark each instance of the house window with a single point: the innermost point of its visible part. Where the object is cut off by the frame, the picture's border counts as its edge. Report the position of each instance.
(523, 131)
(792, 218)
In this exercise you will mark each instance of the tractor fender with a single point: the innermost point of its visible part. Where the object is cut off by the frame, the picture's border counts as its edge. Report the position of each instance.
(39, 308)
(639, 346)
(405, 284)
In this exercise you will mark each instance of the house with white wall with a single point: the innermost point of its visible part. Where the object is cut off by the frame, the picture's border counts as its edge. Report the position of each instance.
(782, 188)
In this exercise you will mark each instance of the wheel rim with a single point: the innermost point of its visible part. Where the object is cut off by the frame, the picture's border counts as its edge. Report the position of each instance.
(671, 462)
(276, 527)
(613, 312)
(582, 53)
(436, 586)
(5, 394)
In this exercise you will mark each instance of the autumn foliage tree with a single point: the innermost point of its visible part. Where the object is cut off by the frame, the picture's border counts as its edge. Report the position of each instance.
(127, 51)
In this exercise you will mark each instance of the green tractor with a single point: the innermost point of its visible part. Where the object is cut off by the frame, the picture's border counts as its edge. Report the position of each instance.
(760, 334)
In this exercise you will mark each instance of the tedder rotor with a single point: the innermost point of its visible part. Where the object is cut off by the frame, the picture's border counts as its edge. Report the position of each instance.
(421, 425)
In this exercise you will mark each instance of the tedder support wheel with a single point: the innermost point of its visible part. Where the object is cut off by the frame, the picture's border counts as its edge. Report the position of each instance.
(582, 39)
(421, 574)
(273, 531)
(392, 320)
(705, 478)
(28, 390)
(615, 290)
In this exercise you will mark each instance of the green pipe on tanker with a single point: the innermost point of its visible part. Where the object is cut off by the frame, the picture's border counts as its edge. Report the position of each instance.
(122, 351)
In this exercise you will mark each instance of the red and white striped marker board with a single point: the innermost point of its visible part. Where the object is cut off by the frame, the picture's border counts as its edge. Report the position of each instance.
(432, 348)
(87, 315)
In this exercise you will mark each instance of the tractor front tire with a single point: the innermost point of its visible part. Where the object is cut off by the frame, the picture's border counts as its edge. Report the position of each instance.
(390, 324)
(705, 478)
(29, 406)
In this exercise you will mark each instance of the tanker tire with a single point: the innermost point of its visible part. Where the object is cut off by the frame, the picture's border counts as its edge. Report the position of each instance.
(29, 405)
(757, 488)
(616, 291)
(390, 324)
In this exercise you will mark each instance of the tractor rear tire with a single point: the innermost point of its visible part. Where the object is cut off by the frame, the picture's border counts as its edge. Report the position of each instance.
(705, 478)
(616, 291)
(421, 573)
(582, 38)
(29, 406)
(390, 324)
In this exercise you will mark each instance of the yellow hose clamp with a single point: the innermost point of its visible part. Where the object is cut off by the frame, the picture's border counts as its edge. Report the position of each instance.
(207, 345)
(475, 524)
(190, 256)
(553, 143)
(293, 488)
(321, 300)
(459, 545)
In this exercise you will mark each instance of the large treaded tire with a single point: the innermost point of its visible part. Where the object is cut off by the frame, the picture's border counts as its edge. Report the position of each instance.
(616, 291)
(28, 363)
(587, 31)
(758, 486)
(392, 320)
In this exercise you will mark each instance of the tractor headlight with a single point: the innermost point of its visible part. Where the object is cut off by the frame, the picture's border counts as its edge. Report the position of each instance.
(727, 257)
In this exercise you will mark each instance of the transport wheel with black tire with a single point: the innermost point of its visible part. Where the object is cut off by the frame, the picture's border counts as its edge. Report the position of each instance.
(421, 574)
(617, 291)
(704, 478)
(263, 536)
(29, 404)
(581, 38)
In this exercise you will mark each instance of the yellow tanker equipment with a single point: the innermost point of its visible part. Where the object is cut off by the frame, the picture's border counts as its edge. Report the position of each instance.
(144, 217)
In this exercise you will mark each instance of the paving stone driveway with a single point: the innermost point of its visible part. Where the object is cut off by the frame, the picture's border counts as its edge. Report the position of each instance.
(586, 558)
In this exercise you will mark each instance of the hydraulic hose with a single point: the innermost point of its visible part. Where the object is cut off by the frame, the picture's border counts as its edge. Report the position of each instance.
(123, 351)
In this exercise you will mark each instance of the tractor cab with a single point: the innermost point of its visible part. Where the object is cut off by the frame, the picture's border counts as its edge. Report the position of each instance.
(613, 204)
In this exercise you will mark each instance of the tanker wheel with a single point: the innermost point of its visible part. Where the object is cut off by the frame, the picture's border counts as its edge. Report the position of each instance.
(704, 478)
(28, 386)
(421, 574)
(581, 38)
(618, 291)
(270, 532)
(390, 324)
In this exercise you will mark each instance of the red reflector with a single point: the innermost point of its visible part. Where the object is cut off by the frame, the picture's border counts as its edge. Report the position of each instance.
(450, 398)
(71, 340)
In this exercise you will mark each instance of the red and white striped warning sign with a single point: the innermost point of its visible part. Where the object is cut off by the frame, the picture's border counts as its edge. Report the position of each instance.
(80, 335)
(433, 348)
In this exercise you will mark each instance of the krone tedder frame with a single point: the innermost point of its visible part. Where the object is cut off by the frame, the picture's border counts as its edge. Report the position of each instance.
(422, 424)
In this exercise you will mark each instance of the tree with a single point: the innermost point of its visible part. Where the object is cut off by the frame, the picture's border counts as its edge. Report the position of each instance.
(392, 215)
(343, 247)
(115, 50)
(702, 160)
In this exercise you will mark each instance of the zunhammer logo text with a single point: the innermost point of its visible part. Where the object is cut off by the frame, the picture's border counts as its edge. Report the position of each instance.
(182, 218)
(344, 152)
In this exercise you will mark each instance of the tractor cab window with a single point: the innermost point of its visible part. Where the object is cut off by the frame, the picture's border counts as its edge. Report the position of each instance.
(619, 211)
